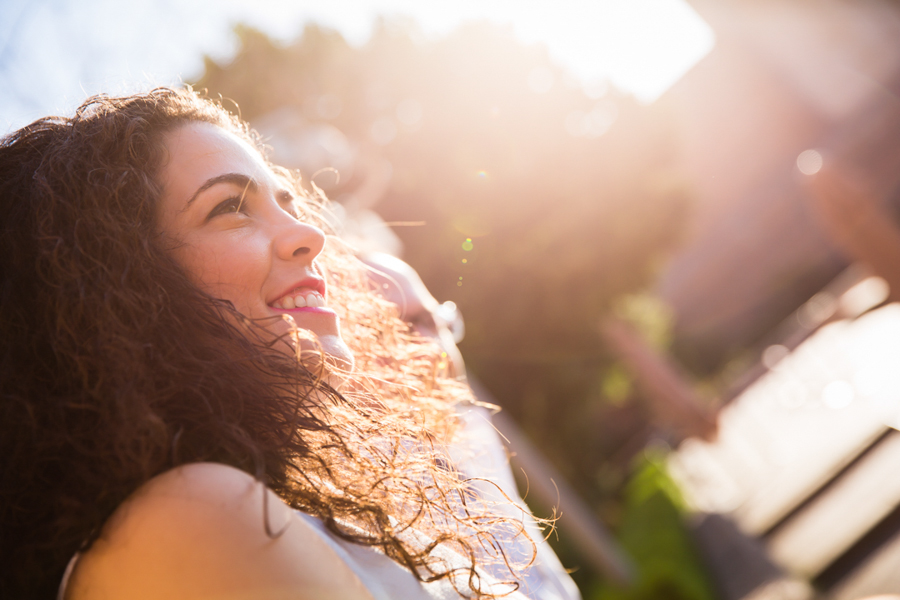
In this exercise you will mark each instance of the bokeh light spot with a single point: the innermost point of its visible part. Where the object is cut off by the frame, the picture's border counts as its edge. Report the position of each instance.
(838, 394)
(809, 162)
(773, 355)
(465, 261)
(383, 131)
(817, 309)
(329, 106)
(864, 296)
(468, 245)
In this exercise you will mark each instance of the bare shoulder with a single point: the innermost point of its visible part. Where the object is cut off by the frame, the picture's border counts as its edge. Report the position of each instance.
(200, 531)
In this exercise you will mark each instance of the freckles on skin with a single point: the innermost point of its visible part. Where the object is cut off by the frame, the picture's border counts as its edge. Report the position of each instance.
(211, 270)
(226, 256)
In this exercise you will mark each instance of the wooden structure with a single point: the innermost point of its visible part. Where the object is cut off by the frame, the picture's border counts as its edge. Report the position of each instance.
(799, 495)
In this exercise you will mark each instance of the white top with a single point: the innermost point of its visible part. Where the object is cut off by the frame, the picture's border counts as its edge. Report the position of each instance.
(384, 578)
(481, 454)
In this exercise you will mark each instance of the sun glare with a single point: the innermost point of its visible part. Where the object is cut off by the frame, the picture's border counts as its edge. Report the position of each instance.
(641, 46)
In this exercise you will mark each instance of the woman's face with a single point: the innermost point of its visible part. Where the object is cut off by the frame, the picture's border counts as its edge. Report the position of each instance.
(231, 224)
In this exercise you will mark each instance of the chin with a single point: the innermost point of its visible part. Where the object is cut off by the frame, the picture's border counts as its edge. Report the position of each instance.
(337, 356)
(313, 345)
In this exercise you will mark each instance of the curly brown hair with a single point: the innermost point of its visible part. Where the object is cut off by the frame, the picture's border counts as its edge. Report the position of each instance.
(115, 367)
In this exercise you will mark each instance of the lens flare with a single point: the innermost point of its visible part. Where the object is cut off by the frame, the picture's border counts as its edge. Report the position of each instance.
(809, 162)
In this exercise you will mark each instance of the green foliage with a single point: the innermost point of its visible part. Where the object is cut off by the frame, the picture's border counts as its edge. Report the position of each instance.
(617, 385)
(649, 315)
(653, 534)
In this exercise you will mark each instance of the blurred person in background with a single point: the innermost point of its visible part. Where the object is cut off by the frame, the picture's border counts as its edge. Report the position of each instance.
(204, 399)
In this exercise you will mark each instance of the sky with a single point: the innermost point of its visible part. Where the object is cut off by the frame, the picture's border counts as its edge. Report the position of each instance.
(54, 53)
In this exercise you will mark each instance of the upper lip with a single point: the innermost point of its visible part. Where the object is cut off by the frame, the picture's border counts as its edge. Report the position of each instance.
(314, 283)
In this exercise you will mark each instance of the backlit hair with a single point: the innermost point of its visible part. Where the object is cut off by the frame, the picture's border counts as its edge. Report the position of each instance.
(116, 368)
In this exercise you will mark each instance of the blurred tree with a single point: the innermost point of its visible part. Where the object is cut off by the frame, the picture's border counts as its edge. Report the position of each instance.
(542, 204)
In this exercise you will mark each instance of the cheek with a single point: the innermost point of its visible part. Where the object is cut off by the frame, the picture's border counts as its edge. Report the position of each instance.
(233, 271)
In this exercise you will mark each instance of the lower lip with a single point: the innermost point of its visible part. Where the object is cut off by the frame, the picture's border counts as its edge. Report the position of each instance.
(307, 309)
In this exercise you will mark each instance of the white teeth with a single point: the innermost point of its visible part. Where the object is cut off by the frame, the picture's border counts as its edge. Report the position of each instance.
(301, 300)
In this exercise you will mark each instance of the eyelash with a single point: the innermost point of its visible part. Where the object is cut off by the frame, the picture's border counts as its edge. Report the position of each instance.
(223, 207)
(235, 205)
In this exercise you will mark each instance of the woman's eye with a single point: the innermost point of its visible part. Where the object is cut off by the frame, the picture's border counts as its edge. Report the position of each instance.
(231, 205)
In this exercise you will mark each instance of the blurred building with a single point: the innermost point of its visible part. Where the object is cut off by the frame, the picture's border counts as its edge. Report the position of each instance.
(799, 494)
(784, 77)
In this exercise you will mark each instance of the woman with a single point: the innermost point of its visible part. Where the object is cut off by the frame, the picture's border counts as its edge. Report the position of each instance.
(176, 336)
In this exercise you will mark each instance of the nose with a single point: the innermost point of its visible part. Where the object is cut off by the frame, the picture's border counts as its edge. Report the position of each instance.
(295, 239)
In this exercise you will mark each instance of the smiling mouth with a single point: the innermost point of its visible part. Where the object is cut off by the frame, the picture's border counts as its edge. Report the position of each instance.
(300, 298)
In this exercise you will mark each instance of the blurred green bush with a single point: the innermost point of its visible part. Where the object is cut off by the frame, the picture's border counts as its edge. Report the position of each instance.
(653, 533)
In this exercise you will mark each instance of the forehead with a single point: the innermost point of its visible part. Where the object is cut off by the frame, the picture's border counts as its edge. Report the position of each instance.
(197, 152)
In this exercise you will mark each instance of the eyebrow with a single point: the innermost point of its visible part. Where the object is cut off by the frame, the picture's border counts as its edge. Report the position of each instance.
(248, 183)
